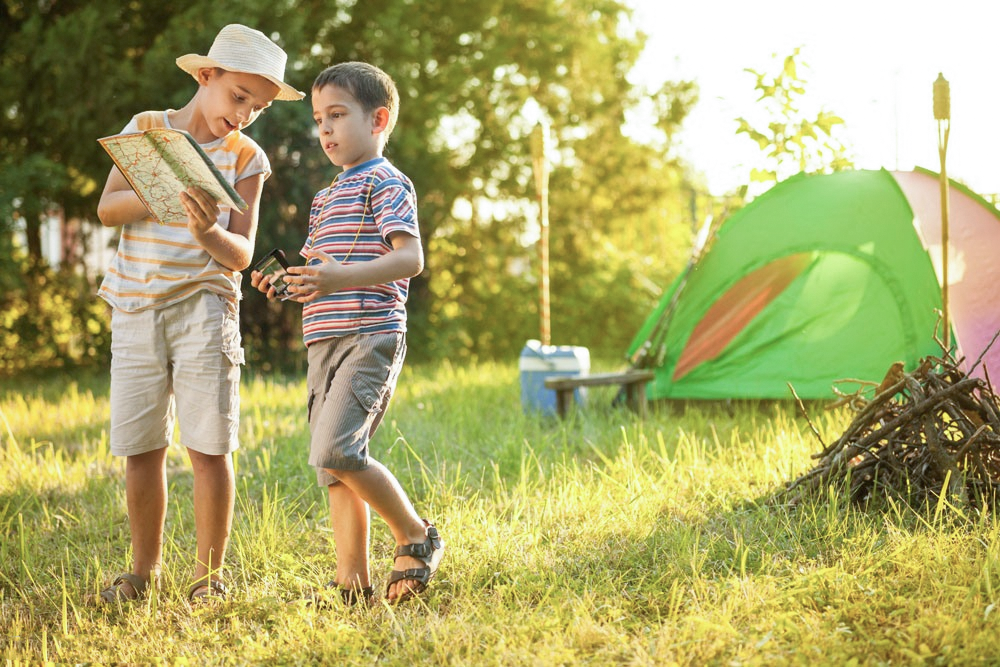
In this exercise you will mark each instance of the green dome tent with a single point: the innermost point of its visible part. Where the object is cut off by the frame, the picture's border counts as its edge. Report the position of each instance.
(823, 278)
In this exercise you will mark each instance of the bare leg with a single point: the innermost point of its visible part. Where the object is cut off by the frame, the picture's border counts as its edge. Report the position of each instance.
(351, 521)
(382, 491)
(214, 497)
(146, 494)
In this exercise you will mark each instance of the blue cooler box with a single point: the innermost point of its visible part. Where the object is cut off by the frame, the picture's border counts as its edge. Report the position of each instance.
(541, 361)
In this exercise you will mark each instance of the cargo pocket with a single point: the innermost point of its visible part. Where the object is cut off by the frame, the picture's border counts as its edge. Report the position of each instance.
(310, 402)
(368, 393)
(233, 357)
(231, 342)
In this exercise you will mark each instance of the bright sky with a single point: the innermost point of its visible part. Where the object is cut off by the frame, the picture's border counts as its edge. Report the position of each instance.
(872, 62)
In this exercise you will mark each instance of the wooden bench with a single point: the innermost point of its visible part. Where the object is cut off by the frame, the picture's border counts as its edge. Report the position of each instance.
(632, 381)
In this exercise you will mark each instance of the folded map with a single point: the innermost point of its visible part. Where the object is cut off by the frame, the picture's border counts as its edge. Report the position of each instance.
(160, 163)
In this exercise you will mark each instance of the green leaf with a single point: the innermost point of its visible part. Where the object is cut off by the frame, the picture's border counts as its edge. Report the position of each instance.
(790, 67)
(826, 121)
(790, 139)
(762, 175)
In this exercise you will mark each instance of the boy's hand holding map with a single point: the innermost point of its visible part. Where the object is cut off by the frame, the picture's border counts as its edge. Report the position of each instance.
(161, 163)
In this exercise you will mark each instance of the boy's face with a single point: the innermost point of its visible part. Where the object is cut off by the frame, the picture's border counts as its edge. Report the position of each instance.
(347, 134)
(234, 99)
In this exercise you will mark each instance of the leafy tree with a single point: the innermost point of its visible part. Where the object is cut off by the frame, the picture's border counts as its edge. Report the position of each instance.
(567, 61)
(621, 223)
(73, 72)
(473, 78)
(467, 72)
(792, 141)
(63, 327)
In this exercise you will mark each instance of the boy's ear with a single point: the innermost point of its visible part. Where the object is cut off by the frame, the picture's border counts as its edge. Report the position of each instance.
(380, 120)
(205, 75)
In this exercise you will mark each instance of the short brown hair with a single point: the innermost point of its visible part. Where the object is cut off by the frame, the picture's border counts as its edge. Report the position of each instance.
(368, 84)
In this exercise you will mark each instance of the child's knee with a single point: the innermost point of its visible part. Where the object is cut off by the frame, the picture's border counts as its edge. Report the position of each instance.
(202, 461)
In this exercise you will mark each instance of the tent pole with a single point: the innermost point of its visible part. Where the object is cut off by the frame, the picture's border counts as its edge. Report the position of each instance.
(539, 158)
(942, 113)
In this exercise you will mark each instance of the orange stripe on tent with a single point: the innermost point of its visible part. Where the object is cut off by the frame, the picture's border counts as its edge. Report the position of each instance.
(737, 308)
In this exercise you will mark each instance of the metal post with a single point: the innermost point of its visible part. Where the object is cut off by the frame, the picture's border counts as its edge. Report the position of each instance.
(942, 114)
(539, 161)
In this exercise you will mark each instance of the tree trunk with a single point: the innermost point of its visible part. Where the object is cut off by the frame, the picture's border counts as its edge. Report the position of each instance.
(33, 234)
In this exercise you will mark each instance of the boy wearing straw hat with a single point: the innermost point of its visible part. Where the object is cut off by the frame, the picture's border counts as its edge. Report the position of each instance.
(362, 248)
(174, 290)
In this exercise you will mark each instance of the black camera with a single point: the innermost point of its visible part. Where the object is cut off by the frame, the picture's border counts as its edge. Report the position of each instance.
(275, 266)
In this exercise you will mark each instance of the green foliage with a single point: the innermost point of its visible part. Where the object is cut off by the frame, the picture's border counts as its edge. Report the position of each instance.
(474, 78)
(792, 141)
(596, 540)
(486, 302)
(621, 229)
(49, 320)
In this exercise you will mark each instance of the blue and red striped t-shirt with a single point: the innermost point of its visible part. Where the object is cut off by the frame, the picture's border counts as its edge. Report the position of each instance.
(353, 219)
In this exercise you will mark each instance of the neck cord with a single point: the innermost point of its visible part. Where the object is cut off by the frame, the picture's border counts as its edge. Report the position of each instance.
(364, 212)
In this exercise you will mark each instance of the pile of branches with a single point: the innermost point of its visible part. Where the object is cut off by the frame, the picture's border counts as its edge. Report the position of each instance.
(935, 430)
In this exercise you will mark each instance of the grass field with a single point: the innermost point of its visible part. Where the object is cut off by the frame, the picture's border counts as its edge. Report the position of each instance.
(596, 540)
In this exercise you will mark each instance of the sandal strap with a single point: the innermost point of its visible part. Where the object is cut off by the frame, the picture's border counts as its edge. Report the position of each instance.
(421, 576)
(137, 582)
(114, 592)
(429, 552)
(424, 550)
(213, 585)
(418, 574)
(421, 551)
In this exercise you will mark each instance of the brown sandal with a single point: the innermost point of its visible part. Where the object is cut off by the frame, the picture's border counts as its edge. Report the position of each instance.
(430, 551)
(116, 592)
(214, 590)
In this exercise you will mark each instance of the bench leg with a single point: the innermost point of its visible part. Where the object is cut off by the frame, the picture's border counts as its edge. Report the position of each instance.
(563, 398)
(635, 395)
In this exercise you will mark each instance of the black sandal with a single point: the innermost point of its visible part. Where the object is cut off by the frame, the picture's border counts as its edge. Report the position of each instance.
(353, 596)
(430, 551)
(214, 590)
(349, 596)
(116, 593)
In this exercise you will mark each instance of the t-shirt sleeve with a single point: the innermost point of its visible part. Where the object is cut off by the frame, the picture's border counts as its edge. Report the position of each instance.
(252, 160)
(132, 127)
(394, 206)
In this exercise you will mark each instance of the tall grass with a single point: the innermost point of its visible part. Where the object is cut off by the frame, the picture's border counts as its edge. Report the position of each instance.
(601, 539)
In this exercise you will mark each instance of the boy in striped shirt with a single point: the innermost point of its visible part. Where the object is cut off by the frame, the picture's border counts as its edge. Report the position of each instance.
(362, 248)
(174, 288)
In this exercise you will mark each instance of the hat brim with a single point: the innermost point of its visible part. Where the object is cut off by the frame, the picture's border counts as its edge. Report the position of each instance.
(193, 62)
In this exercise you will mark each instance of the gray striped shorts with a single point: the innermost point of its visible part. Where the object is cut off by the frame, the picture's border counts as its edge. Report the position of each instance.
(350, 381)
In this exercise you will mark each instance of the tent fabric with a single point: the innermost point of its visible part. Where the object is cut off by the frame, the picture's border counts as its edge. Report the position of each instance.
(973, 271)
(822, 278)
(737, 308)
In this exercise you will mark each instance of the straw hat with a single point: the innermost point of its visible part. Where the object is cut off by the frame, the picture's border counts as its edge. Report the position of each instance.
(238, 48)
